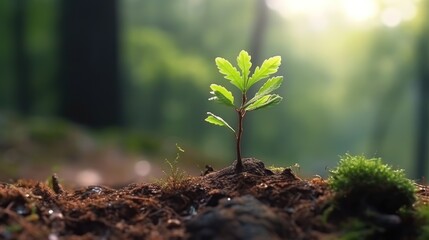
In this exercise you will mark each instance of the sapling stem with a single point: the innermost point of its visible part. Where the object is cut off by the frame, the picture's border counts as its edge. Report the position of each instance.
(241, 113)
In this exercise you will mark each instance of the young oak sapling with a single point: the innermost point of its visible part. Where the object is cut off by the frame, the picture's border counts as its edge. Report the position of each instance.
(243, 81)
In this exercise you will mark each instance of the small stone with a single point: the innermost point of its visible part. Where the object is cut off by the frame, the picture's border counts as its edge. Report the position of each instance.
(239, 218)
(208, 170)
(173, 223)
(290, 210)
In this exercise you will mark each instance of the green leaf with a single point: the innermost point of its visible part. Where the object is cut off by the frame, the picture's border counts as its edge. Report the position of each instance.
(244, 63)
(264, 101)
(268, 67)
(230, 72)
(269, 86)
(216, 120)
(222, 95)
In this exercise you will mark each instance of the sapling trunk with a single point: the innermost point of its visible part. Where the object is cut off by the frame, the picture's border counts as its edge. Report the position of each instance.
(241, 113)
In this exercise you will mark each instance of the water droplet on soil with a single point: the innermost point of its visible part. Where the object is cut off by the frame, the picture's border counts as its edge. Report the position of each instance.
(22, 210)
(53, 236)
(290, 210)
(55, 214)
(95, 189)
(192, 211)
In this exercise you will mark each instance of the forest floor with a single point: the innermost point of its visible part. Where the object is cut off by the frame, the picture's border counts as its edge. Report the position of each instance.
(255, 204)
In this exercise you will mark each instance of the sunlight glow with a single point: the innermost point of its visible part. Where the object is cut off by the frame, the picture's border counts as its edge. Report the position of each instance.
(409, 10)
(291, 8)
(318, 22)
(391, 17)
(396, 12)
(320, 13)
(361, 10)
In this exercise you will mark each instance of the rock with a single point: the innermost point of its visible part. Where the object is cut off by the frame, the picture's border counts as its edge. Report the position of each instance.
(239, 218)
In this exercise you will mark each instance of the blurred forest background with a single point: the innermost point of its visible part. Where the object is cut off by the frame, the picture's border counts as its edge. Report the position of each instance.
(104, 89)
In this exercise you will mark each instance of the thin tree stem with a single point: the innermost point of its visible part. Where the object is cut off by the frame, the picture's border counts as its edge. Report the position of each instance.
(241, 113)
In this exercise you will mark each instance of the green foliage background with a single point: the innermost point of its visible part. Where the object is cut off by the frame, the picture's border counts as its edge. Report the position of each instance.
(340, 84)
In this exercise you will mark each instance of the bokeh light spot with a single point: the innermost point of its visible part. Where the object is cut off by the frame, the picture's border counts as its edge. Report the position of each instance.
(359, 11)
(391, 17)
(142, 168)
(88, 177)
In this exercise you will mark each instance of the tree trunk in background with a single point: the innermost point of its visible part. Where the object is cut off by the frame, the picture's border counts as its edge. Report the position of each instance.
(22, 85)
(422, 127)
(90, 87)
(388, 106)
(255, 49)
(258, 32)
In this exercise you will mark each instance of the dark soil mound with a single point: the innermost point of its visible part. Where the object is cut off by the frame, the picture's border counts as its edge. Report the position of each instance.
(255, 204)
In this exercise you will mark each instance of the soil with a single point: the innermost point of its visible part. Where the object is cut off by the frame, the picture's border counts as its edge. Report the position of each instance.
(255, 204)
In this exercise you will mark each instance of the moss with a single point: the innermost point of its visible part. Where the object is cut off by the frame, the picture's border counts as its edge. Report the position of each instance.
(276, 170)
(356, 229)
(423, 219)
(362, 183)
